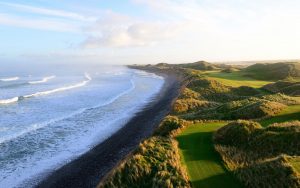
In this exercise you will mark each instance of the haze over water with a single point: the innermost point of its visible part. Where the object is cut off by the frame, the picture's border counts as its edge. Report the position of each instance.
(50, 116)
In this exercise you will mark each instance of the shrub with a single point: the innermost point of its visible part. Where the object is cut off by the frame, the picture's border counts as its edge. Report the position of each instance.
(170, 125)
(245, 91)
(156, 163)
(188, 105)
(277, 139)
(288, 88)
(272, 173)
(229, 70)
(188, 93)
(255, 154)
(236, 133)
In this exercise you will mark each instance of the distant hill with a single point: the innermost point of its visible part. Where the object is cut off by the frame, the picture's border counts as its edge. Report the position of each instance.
(200, 65)
(274, 71)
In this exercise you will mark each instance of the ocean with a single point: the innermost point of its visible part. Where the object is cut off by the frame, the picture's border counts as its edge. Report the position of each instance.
(49, 117)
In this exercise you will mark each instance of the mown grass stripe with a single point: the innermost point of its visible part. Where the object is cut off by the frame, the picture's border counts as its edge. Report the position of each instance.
(237, 79)
(203, 163)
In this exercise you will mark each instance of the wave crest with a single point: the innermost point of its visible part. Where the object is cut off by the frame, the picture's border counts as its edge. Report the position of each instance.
(40, 93)
(9, 79)
(43, 80)
(8, 101)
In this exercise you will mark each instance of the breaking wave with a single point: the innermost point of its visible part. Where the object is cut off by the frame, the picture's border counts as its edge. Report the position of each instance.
(40, 93)
(9, 79)
(43, 80)
(37, 126)
(8, 101)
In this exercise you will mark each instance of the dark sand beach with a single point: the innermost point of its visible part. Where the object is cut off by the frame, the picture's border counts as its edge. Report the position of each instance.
(88, 170)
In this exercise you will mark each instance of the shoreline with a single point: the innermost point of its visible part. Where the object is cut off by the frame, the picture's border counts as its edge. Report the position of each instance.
(90, 168)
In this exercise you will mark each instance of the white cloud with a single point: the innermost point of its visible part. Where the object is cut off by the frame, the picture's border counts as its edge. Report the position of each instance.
(132, 34)
(180, 30)
(49, 12)
(42, 24)
(176, 20)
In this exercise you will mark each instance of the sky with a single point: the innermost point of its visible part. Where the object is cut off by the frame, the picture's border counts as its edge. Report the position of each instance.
(148, 31)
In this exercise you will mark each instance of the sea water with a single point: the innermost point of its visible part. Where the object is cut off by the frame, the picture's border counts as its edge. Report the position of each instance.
(50, 117)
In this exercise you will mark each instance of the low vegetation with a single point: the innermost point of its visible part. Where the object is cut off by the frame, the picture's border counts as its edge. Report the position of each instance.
(273, 71)
(236, 79)
(235, 127)
(285, 87)
(204, 164)
(260, 157)
(156, 162)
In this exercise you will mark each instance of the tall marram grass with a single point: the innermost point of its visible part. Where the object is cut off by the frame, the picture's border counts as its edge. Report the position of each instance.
(258, 156)
(155, 163)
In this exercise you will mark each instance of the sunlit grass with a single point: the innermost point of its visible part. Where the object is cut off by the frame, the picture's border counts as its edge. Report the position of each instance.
(203, 163)
(296, 164)
(288, 114)
(236, 79)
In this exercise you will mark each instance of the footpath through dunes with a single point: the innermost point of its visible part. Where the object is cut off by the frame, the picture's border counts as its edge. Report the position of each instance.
(204, 165)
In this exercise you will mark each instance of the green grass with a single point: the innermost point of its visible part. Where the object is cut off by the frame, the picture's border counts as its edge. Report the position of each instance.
(296, 164)
(288, 114)
(203, 163)
(236, 79)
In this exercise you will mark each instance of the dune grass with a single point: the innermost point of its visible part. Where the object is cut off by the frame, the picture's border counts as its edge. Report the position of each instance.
(288, 114)
(236, 79)
(203, 163)
(296, 164)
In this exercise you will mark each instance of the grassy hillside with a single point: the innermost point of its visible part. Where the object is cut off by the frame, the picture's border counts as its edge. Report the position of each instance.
(274, 71)
(286, 87)
(200, 65)
(260, 157)
(256, 151)
(204, 164)
(295, 162)
(156, 162)
(288, 114)
(236, 79)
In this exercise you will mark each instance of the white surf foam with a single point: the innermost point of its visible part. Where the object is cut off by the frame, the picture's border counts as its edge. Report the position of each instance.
(37, 126)
(34, 172)
(9, 79)
(40, 93)
(148, 74)
(8, 101)
(46, 79)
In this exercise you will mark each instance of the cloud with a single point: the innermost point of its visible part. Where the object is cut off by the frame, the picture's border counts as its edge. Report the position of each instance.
(42, 24)
(133, 34)
(176, 30)
(174, 20)
(49, 12)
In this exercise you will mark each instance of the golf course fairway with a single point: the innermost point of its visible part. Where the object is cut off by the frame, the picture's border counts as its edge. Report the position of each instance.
(203, 163)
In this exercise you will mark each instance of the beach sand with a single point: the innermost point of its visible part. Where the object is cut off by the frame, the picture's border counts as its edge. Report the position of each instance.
(88, 170)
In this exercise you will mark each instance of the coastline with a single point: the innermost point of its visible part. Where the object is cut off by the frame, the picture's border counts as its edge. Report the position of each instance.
(90, 168)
